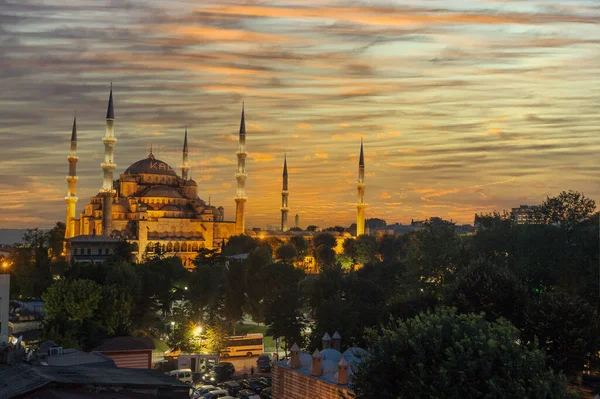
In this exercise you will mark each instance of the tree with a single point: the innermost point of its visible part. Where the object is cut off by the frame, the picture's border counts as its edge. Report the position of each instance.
(390, 248)
(365, 249)
(256, 285)
(283, 317)
(490, 288)
(312, 228)
(450, 355)
(241, 244)
(286, 252)
(234, 288)
(301, 245)
(565, 326)
(567, 209)
(433, 257)
(76, 299)
(82, 313)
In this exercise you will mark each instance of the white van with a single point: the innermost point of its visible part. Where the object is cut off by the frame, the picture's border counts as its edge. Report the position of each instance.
(183, 375)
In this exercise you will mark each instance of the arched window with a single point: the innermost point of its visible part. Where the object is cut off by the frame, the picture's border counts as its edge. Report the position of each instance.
(195, 247)
(184, 247)
(176, 247)
(169, 247)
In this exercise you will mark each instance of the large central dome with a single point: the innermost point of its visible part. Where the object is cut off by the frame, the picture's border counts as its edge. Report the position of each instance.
(151, 166)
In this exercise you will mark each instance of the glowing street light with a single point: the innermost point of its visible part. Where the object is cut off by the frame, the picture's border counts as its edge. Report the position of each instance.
(5, 266)
(198, 330)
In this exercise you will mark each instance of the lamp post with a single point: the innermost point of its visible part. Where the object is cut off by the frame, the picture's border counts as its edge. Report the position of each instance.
(5, 266)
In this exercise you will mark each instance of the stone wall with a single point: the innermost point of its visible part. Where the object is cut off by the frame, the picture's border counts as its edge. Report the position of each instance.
(291, 384)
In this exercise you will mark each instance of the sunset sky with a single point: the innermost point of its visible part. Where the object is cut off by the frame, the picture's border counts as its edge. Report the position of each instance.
(463, 106)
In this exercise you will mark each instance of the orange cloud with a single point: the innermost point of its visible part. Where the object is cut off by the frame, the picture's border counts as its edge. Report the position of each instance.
(386, 195)
(262, 157)
(304, 126)
(321, 155)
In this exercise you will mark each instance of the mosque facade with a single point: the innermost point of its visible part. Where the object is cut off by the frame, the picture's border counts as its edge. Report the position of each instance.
(150, 205)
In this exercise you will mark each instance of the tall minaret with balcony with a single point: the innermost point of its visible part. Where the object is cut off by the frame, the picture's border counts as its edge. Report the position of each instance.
(185, 167)
(360, 205)
(71, 197)
(240, 176)
(284, 197)
(108, 167)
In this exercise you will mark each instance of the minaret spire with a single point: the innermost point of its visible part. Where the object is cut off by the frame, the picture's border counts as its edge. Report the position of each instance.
(360, 205)
(284, 196)
(108, 167)
(72, 178)
(240, 176)
(185, 167)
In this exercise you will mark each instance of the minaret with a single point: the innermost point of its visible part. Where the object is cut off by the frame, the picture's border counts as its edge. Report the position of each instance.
(108, 167)
(71, 197)
(240, 176)
(185, 167)
(284, 197)
(360, 205)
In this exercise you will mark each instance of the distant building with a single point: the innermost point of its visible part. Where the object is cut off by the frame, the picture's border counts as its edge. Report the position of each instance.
(524, 214)
(90, 248)
(150, 205)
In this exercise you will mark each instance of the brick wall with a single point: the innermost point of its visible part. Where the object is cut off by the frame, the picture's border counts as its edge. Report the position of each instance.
(290, 384)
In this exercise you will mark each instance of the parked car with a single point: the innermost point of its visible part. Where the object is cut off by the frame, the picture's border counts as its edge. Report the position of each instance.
(263, 363)
(247, 394)
(266, 393)
(231, 386)
(202, 390)
(220, 373)
(183, 375)
(265, 380)
(221, 393)
(252, 384)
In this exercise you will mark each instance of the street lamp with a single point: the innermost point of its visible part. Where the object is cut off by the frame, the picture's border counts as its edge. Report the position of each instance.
(5, 266)
(198, 330)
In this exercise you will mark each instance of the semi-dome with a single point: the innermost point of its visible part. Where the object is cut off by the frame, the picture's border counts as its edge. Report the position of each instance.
(150, 166)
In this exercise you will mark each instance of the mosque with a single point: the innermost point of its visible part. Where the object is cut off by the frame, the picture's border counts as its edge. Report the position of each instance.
(156, 210)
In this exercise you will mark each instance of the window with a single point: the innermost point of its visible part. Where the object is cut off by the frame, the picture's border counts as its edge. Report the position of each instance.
(89, 251)
(99, 251)
(107, 251)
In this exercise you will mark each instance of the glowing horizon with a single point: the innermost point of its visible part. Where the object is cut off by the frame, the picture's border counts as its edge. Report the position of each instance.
(464, 107)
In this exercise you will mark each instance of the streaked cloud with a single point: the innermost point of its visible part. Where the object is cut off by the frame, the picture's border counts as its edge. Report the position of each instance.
(463, 106)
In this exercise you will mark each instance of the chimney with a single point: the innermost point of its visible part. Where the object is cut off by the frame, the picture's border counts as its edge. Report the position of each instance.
(342, 372)
(336, 342)
(295, 356)
(317, 368)
(326, 341)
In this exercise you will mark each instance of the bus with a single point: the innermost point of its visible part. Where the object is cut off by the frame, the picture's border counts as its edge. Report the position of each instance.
(243, 345)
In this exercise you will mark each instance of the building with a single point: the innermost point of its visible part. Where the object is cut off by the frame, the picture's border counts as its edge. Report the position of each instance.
(524, 214)
(25, 381)
(90, 248)
(4, 307)
(149, 205)
(128, 352)
(324, 374)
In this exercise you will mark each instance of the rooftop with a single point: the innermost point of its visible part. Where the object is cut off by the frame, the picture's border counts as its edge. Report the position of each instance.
(125, 343)
(23, 379)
